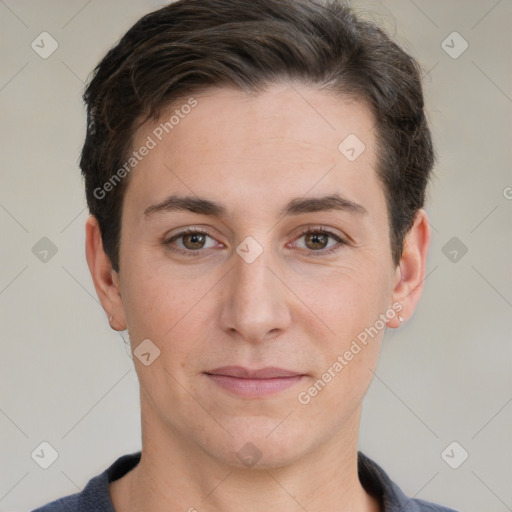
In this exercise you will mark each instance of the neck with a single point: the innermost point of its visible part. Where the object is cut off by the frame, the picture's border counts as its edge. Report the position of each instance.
(175, 475)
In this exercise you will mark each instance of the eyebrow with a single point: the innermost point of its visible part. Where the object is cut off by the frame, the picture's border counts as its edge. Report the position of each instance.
(296, 206)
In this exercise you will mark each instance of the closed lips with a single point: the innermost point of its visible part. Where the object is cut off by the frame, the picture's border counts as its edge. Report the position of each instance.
(245, 373)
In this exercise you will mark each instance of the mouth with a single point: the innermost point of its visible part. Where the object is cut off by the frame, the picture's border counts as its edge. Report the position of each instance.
(256, 383)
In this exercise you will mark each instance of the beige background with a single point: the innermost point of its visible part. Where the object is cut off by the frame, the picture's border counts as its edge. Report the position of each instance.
(65, 376)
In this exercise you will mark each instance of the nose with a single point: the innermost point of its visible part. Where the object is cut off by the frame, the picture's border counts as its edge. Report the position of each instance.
(255, 305)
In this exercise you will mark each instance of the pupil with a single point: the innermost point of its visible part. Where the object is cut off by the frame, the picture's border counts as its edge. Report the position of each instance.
(319, 240)
(196, 240)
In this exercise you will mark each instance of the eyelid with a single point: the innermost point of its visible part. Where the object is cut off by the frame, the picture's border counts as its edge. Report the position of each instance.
(167, 240)
(341, 240)
(319, 228)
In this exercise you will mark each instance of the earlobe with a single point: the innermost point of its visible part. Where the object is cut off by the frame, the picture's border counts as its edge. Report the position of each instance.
(106, 280)
(410, 273)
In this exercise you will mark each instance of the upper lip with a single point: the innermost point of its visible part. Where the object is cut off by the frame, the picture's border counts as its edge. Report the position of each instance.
(245, 373)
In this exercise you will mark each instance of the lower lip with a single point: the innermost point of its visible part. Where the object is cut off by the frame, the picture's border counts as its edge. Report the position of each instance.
(255, 388)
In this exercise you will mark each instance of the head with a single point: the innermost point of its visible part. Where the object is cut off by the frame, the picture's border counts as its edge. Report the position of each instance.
(250, 122)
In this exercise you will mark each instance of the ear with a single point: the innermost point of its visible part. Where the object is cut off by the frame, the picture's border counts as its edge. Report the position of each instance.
(410, 273)
(105, 278)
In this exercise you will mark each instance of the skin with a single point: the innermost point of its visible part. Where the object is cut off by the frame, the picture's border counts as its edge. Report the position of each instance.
(292, 307)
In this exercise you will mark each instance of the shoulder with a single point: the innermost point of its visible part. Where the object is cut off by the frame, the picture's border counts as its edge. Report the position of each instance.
(95, 496)
(67, 504)
(416, 505)
(392, 499)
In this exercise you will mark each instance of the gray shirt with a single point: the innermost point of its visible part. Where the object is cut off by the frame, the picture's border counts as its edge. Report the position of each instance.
(96, 497)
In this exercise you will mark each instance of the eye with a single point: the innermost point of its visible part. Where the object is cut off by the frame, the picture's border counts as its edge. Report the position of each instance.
(189, 241)
(316, 240)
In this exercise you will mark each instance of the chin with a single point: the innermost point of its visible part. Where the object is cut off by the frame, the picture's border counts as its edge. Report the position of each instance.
(256, 443)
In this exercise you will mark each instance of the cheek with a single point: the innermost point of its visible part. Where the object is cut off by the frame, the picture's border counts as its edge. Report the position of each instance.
(171, 308)
(166, 310)
(348, 359)
(347, 298)
(155, 301)
(348, 303)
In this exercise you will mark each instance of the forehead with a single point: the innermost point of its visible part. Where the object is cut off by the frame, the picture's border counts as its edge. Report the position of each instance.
(289, 114)
(262, 145)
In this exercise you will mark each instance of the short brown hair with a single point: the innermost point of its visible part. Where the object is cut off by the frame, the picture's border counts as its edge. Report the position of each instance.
(190, 45)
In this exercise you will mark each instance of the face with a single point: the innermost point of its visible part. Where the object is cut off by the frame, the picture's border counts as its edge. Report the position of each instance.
(288, 270)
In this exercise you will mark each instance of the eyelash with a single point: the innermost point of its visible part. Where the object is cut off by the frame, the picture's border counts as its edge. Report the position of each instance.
(305, 231)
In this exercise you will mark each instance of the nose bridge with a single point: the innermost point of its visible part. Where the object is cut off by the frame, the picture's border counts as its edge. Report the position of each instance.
(256, 302)
(251, 280)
